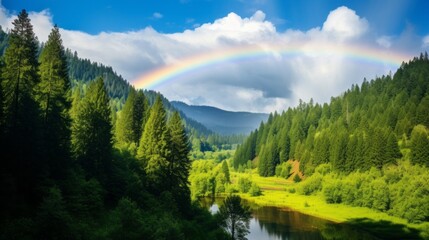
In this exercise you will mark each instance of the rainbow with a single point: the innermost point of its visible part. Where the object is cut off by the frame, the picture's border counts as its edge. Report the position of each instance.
(207, 60)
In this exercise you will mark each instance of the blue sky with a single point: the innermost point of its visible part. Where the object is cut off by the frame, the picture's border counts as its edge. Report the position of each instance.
(139, 37)
(388, 17)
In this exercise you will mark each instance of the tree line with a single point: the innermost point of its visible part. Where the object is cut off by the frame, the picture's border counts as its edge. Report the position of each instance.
(371, 125)
(71, 169)
(374, 139)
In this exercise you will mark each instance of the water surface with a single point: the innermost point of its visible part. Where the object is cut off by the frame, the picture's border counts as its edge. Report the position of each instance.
(285, 223)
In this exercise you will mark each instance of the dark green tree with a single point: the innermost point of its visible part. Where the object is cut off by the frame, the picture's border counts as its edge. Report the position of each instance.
(235, 217)
(54, 99)
(154, 149)
(140, 115)
(419, 146)
(124, 124)
(225, 171)
(21, 163)
(178, 164)
(392, 148)
(338, 151)
(92, 133)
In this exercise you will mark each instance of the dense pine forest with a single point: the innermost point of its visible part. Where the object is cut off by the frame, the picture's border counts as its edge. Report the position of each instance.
(368, 147)
(84, 155)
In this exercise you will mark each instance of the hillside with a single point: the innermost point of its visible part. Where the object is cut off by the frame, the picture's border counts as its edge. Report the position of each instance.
(221, 121)
(369, 147)
(83, 71)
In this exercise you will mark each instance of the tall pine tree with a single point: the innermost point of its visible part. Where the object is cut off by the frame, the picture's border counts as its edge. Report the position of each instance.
(140, 115)
(132, 118)
(92, 133)
(420, 146)
(154, 150)
(54, 100)
(124, 124)
(20, 154)
(179, 162)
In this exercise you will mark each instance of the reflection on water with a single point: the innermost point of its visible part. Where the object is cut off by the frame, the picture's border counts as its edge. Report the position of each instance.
(284, 223)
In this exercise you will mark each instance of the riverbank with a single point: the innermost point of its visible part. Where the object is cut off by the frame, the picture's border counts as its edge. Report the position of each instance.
(378, 223)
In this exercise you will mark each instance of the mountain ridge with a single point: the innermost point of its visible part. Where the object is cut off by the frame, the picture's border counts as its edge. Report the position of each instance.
(222, 121)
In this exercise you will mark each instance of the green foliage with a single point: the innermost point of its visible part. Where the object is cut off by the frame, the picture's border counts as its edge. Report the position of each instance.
(53, 93)
(420, 146)
(283, 170)
(99, 192)
(20, 118)
(359, 129)
(244, 184)
(255, 190)
(85, 71)
(178, 163)
(54, 222)
(128, 221)
(132, 118)
(311, 185)
(154, 148)
(225, 170)
(92, 133)
(235, 217)
(297, 178)
(332, 191)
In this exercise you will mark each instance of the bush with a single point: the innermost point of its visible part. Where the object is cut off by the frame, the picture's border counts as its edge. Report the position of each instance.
(296, 179)
(255, 190)
(283, 170)
(323, 169)
(311, 184)
(332, 191)
(244, 184)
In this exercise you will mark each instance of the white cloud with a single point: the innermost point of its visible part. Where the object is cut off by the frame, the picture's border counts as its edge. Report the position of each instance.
(317, 68)
(384, 41)
(157, 15)
(343, 23)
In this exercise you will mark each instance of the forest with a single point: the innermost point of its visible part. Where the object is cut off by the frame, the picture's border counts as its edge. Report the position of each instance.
(86, 156)
(368, 147)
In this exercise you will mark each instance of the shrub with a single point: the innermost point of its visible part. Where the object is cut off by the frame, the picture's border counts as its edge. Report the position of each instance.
(255, 190)
(296, 179)
(332, 191)
(244, 184)
(311, 184)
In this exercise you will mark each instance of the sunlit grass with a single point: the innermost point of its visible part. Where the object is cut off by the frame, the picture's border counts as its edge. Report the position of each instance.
(275, 192)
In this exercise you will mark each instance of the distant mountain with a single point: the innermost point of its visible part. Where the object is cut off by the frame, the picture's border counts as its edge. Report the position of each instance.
(221, 121)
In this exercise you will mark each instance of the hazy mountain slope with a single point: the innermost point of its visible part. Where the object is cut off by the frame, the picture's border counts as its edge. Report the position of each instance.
(221, 121)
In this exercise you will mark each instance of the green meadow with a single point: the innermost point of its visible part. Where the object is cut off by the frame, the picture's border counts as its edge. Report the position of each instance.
(279, 192)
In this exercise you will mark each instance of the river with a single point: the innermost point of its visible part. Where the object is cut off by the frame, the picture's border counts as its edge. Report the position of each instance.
(285, 223)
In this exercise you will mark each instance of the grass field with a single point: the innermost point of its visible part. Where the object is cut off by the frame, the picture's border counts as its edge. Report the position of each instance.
(274, 193)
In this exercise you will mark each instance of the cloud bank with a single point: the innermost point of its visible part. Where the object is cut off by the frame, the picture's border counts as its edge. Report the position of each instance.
(267, 84)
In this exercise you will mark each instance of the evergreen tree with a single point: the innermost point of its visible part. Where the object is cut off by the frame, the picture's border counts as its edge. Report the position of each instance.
(225, 170)
(132, 118)
(140, 116)
(377, 150)
(392, 148)
(419, 146)
(54, 99)
(92, 133)
(178, 163)
(21, 165)
(338, 152)
(154, 148)
(124, 124)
